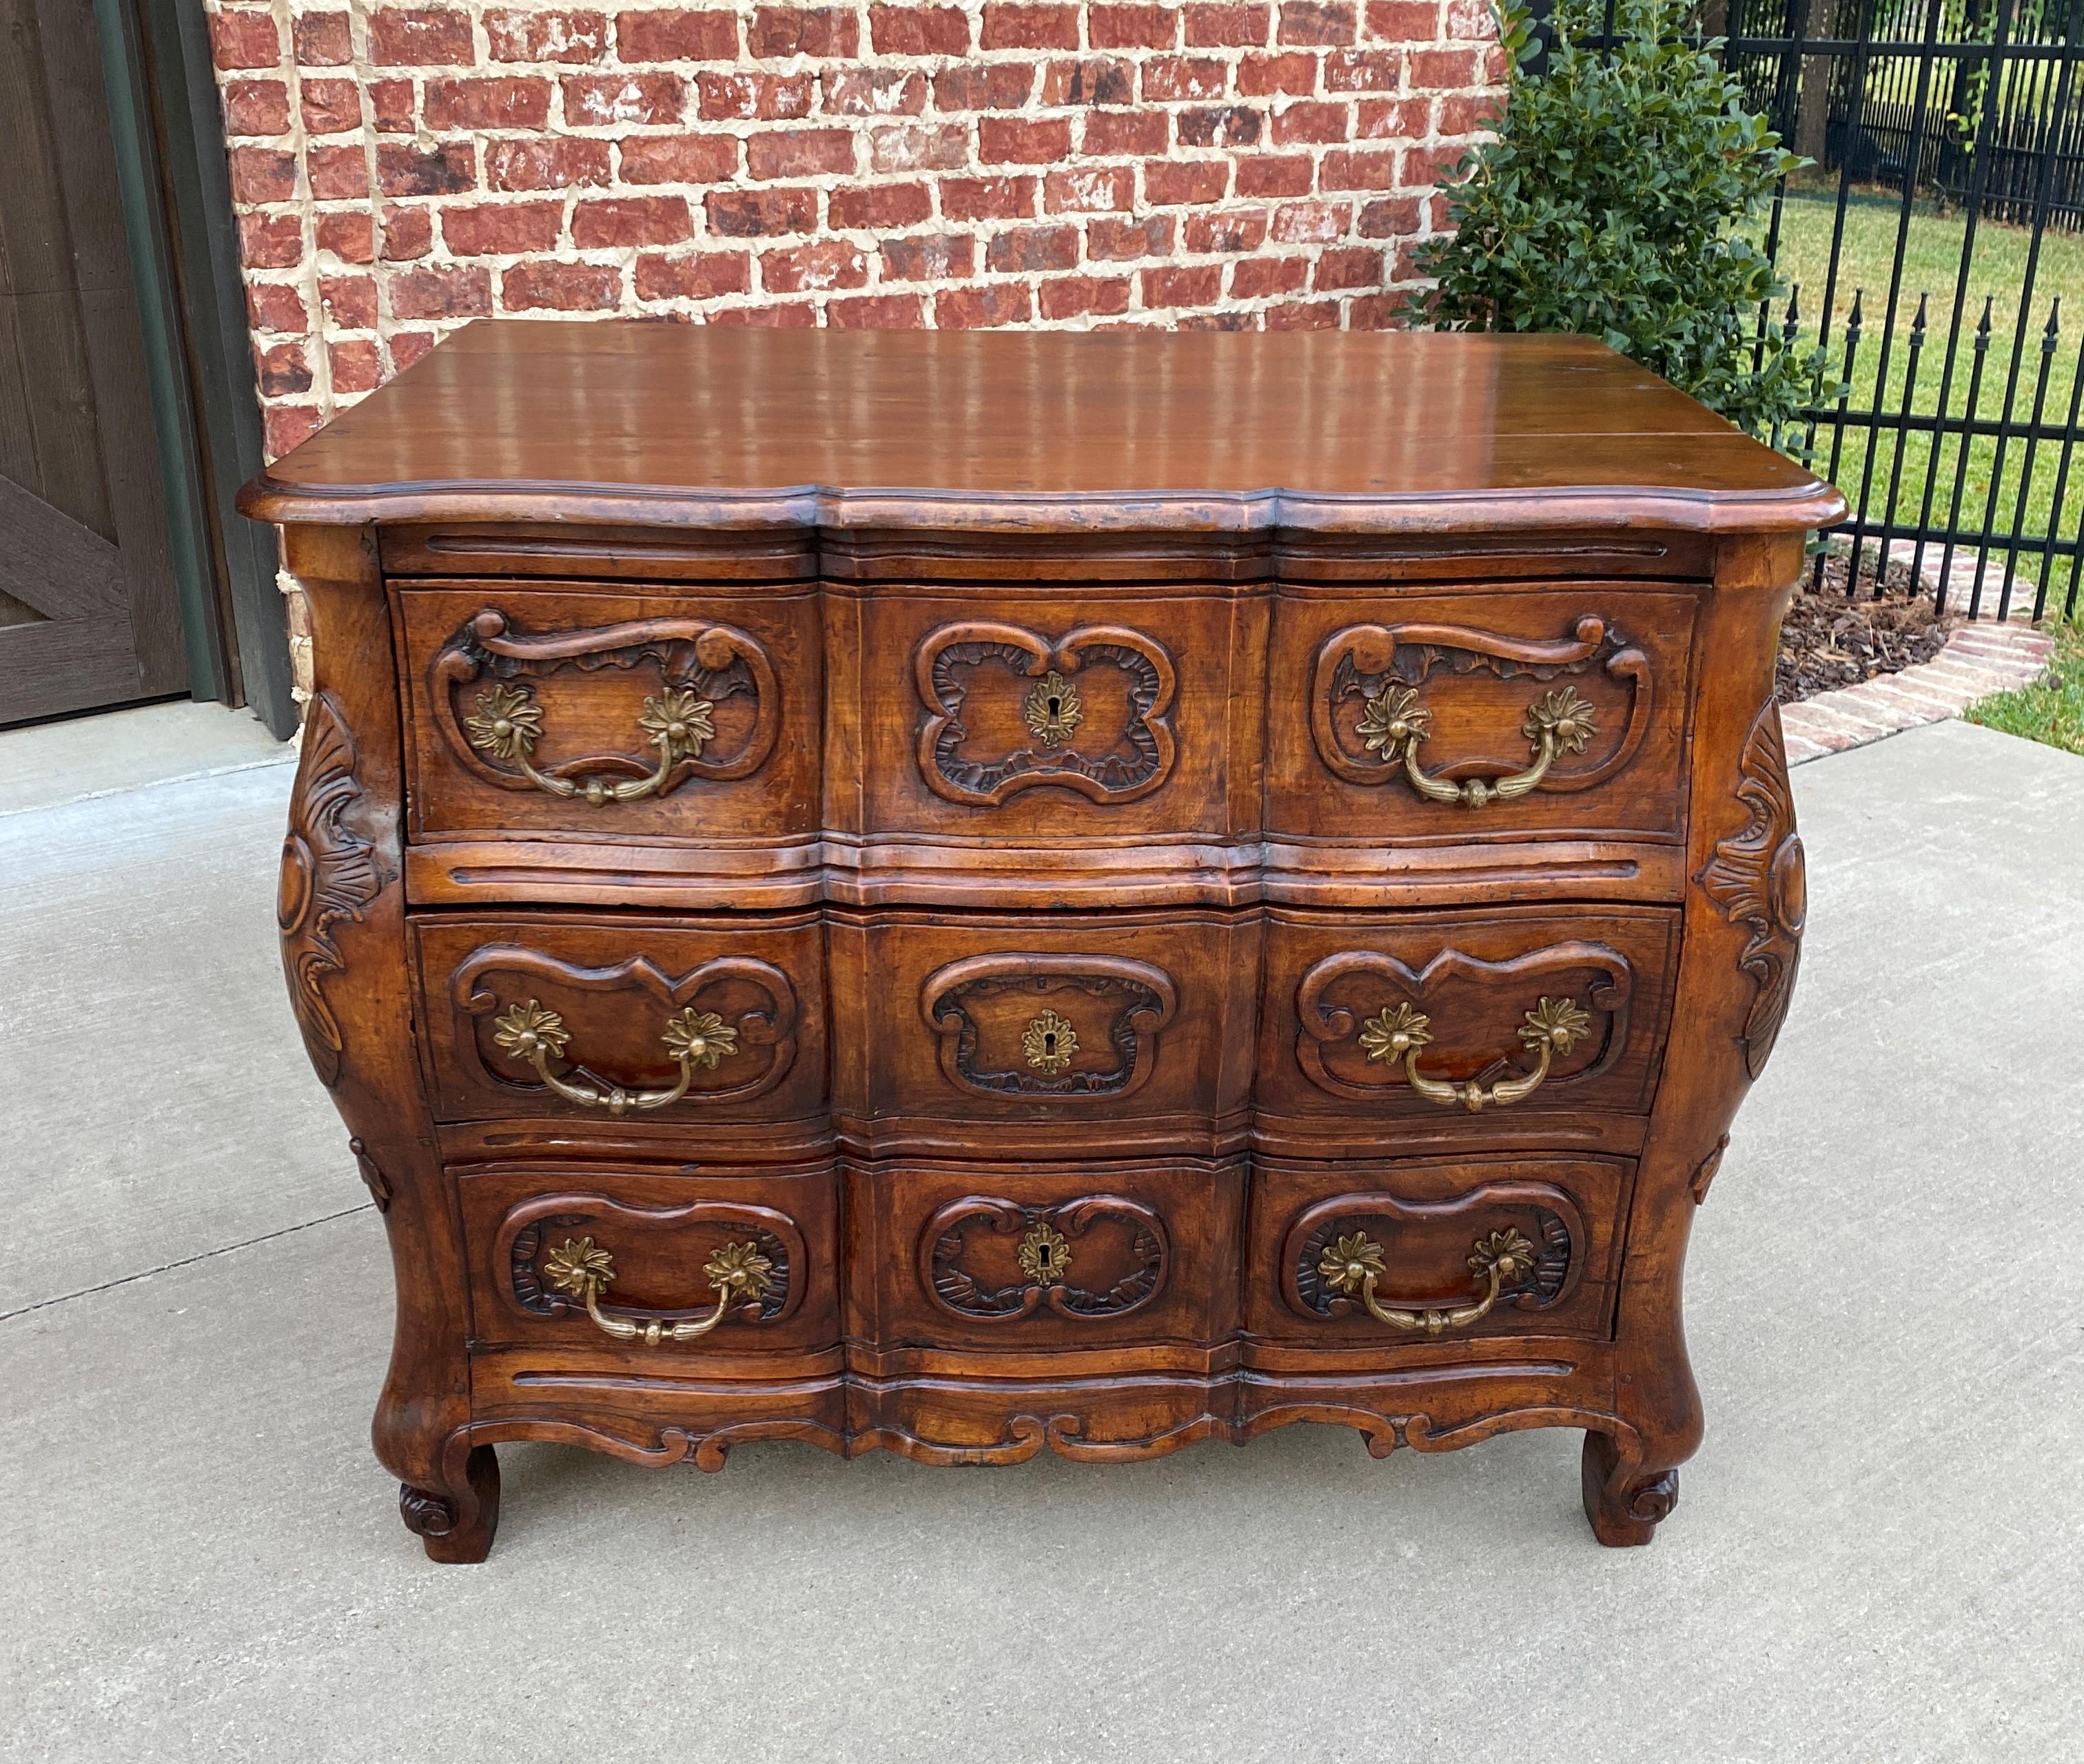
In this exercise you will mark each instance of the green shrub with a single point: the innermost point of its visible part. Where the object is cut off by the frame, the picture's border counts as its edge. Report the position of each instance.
(1619, 199)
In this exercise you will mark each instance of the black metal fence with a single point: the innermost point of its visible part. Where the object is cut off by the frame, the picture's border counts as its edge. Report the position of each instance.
(1952, 129)
(1932, 247)
(1954, 90)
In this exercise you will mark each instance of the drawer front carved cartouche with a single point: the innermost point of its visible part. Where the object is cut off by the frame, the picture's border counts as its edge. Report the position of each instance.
(1526, 1009)
(1079, 1028)
(699, 665)
(1054, 1259)
(1010, 1025)
(1411, 1249)
(579, 1021)
(1042, 1256)
(1030, 892)
(1551, 713)
(990, 715)
(698, 1268)
(1007, 711)
(611, 715)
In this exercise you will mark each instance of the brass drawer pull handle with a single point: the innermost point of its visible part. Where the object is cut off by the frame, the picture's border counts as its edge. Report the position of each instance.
(737, 1271)
(534, 1036)
(1353, 1265)
(1393, 724)
(510, 722)
(1553, 1026)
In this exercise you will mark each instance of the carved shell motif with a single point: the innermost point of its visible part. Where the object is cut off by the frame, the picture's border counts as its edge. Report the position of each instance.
(328, 877)
(1756, 876)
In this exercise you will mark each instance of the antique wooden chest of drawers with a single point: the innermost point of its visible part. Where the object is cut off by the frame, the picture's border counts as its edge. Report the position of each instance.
(974, 893)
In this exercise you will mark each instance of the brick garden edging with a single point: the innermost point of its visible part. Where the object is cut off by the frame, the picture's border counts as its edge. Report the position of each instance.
(1987, 655)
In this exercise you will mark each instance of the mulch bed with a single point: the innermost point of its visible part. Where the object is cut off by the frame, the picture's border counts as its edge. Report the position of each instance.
(1832, 640)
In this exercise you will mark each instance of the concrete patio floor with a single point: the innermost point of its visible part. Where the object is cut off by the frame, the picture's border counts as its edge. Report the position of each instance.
(1878, 1553)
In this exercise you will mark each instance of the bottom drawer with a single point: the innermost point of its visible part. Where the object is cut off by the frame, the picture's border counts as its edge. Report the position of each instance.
(675, 1268)
(1364, 1255)
(1027, 1258)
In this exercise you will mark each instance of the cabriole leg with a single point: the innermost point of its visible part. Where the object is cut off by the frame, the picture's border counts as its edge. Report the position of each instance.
(342, 917)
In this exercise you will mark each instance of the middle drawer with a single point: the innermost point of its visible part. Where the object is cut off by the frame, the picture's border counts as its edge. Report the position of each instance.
(1010, 1034)
(577, 1018)
(917, 1033)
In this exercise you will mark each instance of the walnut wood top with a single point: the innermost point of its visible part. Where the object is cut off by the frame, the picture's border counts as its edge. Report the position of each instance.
(1396, 432)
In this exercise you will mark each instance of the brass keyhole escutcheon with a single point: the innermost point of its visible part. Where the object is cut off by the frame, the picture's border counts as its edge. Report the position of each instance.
(1048, 1042)
(1044, 1256)
(1053, 710)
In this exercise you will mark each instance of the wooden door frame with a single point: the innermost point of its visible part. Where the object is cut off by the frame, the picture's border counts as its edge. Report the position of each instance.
(183, 248)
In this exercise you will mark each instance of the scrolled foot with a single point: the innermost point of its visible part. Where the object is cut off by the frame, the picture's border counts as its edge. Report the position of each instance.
(1623, 1501)
(457, 1525)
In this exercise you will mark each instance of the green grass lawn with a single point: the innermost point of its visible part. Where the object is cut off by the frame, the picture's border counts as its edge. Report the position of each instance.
(1894, 476)
(2052, 712)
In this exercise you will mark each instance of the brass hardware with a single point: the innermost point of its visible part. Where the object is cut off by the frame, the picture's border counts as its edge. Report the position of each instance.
(738, 1273)
(534, 1036)
(1353, 1265)
(1045, 1256)
(510, 722)
(1053, 710)
(1048, 1042)
(1393, 724)
(1554, 1027)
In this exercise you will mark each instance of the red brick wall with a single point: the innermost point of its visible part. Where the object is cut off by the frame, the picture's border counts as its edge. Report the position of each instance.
(398, 169)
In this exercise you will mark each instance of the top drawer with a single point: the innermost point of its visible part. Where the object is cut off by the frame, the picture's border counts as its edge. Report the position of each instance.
(1480, 714)
(616, 713)
(729, 746)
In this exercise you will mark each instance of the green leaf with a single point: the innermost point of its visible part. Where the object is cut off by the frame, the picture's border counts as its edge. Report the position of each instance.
(1620, 197)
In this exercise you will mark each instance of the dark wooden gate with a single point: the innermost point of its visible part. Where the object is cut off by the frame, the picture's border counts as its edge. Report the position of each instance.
(88, 607)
